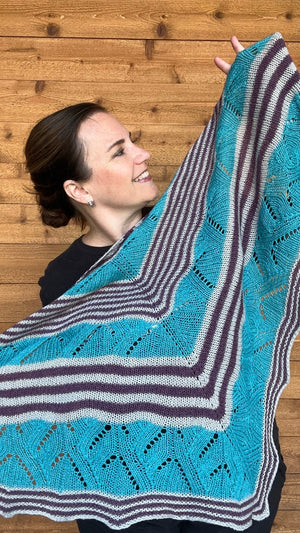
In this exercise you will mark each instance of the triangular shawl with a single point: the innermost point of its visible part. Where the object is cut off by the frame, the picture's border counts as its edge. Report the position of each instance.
(149, 389)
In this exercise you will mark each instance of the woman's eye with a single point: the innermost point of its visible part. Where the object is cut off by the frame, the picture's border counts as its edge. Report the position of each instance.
(119, 152)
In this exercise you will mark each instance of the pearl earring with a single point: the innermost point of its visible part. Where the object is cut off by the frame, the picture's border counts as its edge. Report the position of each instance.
(91, 203)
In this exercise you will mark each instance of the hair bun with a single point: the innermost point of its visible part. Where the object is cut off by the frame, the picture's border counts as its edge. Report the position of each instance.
(54, 217)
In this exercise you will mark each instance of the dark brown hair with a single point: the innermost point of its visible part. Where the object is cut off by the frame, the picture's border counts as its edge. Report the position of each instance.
(54, 154)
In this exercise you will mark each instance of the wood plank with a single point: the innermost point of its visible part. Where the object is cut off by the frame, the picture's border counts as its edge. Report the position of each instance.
(168, 19)
(18, 302)
(291, 453)
(22, 225)
(117, 60)
(35, 524)
(286, 522)
(290, 499)
(295, 369)
(12, 142)
(288, 410)
(152, 103)
(16, 191)
(26, 263)
(289, 426)
(9, 171)
(296, 349)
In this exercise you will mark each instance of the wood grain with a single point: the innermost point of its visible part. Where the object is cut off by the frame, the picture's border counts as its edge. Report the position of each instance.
(117, 60)
(35, 524)
(161, 104)
(167, 19)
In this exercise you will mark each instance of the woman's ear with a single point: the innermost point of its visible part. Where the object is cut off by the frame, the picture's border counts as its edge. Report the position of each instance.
(76, 192)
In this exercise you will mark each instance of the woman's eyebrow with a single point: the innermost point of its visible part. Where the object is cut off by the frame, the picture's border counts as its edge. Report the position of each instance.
(116, 143)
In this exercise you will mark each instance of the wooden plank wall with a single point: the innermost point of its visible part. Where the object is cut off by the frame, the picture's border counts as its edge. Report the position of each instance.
(151, 64)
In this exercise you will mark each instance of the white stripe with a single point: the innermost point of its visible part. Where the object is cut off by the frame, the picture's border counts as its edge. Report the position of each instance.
(93, 378)
(108, 417)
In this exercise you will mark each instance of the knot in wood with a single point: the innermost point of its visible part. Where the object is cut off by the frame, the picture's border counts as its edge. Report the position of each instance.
(39, 86)
(162, 30)
(219, 14)
(136, 135)
(149, 47)
(53, 29)
(7, 134)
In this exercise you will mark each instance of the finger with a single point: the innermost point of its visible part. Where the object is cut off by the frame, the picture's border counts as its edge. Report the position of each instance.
(236, 45)
(222, 65)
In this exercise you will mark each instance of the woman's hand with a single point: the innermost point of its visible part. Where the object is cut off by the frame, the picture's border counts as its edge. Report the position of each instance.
(221, 64)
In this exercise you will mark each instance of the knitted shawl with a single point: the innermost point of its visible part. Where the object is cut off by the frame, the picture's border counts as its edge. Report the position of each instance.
(149, 389)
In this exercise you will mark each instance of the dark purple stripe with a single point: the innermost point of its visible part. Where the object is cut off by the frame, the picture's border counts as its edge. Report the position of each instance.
(120, 389)
(113, 408)
(98, 369)
(199, 366)
(223, 386)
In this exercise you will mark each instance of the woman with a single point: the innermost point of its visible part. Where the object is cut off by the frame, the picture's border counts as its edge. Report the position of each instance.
(162, 411)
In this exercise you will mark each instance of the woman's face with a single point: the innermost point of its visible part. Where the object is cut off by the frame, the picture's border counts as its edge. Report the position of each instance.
(120, 179)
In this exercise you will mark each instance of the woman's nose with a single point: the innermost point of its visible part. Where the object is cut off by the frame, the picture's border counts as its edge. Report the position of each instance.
(141, 155)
